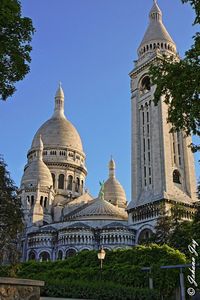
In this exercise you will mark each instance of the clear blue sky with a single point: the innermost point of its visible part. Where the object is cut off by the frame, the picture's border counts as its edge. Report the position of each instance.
(88, 45)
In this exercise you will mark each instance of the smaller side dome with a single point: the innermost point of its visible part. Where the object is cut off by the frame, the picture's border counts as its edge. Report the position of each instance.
(37, 172)
(113, 190)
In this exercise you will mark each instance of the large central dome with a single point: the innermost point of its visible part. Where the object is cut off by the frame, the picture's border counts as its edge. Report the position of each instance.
(58, 131)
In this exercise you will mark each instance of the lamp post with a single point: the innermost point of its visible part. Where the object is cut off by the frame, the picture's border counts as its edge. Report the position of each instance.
(101, 256)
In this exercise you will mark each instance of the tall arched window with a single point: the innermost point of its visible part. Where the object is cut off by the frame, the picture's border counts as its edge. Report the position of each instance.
(82, 185)
(44, 256)
(53, 178)
(70, 252)
(61, 181)
(69, 183)
(45, 202)
(176, 176)
(41, 200)
(32, 200)
(145, 85)
(144, 236)
(77, 187)
(60, 254)
(31, 255)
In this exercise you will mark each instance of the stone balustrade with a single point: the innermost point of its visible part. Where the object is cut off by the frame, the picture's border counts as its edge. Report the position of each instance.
(19, 289)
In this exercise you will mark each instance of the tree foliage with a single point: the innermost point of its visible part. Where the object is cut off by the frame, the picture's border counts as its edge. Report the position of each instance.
(15, 37)
(179, 81)
(175, 232)
(11, 224)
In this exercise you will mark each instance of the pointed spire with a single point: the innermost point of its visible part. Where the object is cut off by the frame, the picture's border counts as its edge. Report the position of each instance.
(59, 102)
(111, 168)
(156, 35)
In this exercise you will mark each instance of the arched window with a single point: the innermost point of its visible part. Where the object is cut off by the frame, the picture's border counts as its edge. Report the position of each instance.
(31, 255)
(176, 177)
(60, 254)
(77, 187)
(44, 256)
(32, 200)
(145, 85)
(69, 183)
(61, 181)
(28, 199)
(53, 178)
(70, 252)
(82, 185)
(41, 200)
(45, 202)
(144, 236)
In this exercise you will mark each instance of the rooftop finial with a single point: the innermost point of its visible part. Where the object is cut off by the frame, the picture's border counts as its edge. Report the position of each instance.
(59, 102)
(111, 167)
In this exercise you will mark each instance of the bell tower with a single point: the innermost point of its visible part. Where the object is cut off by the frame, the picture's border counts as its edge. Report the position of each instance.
(162, 163)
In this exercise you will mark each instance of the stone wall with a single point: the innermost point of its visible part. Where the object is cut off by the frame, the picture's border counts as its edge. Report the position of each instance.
(19, 289)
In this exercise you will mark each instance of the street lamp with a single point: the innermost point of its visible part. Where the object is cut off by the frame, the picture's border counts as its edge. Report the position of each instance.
(101, 256)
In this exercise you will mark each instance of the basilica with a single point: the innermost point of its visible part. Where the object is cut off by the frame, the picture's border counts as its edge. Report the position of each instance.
(62, 218)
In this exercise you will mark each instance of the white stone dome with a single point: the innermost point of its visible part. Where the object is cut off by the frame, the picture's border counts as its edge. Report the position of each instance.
(58, 132)
(37, 172)
(113, 190)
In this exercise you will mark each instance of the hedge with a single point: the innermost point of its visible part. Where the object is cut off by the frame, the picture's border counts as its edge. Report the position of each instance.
(121, 274)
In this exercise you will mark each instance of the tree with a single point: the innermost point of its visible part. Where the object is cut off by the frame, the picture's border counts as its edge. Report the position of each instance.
(15, 37)
(11, 224)
(179, 81)
(163, 227)
(168, 225)
(182, 236)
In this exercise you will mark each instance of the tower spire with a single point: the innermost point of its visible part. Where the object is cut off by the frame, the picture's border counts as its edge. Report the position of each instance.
(59, 102)
(156, 35)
